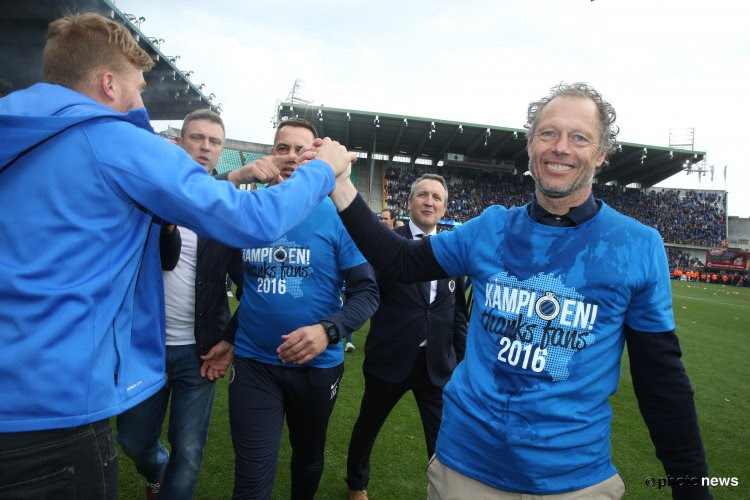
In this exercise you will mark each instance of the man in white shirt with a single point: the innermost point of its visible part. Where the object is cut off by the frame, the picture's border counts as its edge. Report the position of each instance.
(198, 349)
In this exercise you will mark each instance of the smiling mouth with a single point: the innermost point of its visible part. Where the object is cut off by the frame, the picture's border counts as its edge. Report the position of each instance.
(558, 167)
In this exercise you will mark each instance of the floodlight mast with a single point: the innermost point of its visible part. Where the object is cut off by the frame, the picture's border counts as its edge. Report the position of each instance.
(294, 96)
(684, 138)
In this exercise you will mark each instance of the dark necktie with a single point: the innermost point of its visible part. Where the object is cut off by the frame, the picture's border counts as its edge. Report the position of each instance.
(424, 286)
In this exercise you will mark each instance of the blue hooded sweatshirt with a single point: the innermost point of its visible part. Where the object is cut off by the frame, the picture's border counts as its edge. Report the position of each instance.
(83, 189)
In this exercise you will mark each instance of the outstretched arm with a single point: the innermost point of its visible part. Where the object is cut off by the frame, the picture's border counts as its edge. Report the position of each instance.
(263, 170)
(397, 258)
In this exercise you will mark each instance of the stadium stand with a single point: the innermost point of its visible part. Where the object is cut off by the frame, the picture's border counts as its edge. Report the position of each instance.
(470, 192)
(485, 165)
(682, 217)
(232, 159)
(678, 259)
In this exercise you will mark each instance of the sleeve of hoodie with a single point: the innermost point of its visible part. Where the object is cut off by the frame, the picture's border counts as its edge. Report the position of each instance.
(164, 180)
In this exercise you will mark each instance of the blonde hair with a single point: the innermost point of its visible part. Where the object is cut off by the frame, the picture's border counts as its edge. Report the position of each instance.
(79, 44)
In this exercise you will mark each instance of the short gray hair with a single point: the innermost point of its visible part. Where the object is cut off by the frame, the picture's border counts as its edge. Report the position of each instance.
(607, 114)
(433, 177)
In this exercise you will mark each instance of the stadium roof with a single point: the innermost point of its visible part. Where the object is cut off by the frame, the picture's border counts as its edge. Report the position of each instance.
(170, 94)
(487, 147)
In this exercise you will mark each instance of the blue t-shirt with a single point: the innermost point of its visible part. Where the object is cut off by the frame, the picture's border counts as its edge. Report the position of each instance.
(292, 283)
(527, 409)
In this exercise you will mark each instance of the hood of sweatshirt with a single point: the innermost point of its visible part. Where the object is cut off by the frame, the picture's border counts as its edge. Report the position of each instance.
(31, 116)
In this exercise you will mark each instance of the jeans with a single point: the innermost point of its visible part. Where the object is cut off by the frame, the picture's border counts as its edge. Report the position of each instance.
(139, 429)
(76, 463)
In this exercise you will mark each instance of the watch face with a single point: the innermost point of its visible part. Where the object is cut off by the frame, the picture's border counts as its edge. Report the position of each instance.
(332, 333)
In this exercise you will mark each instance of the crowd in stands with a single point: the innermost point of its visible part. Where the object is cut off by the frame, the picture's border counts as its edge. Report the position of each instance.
(678, 259)
(681, 217)
(714, 277)
(469, 192)
(695, 218)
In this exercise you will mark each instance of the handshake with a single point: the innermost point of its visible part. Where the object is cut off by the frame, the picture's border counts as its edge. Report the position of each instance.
(331, 152)
(269, 169)
(275, 168)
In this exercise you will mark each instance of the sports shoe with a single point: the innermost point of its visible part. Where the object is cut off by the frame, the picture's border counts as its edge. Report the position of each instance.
(357, 494)
(349, 347)
(152, 490)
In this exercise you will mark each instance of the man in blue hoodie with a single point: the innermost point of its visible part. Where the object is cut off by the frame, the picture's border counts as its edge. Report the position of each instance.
(81, 295)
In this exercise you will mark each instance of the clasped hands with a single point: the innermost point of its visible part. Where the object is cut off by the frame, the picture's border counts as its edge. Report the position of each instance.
(266, 169)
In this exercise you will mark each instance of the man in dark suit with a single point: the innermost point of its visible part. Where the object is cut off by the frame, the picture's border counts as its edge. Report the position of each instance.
(417, 336)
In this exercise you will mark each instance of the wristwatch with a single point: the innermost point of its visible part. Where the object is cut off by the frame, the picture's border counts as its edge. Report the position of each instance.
(331, 331)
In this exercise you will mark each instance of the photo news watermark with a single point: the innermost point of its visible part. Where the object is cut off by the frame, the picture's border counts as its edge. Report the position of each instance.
(663, 482)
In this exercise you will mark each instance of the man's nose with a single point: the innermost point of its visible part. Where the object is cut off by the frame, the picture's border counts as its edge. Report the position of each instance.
(562, 144)
(292, 156)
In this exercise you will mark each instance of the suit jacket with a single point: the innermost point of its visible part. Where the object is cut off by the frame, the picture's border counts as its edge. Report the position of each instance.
(405, 315)
(215, 260)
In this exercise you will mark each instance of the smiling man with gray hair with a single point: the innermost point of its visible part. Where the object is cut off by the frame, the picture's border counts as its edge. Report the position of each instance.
(527, 410)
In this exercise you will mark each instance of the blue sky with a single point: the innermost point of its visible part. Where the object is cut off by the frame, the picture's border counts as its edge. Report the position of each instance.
(663, 65)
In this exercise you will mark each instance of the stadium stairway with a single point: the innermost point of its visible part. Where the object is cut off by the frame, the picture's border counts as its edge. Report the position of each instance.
(373, 196)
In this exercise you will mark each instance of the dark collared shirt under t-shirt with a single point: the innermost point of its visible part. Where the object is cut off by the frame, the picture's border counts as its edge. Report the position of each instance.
(576, 215)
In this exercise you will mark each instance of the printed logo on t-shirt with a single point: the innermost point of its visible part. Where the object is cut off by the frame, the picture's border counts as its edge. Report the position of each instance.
(540, 323)
(279, 268)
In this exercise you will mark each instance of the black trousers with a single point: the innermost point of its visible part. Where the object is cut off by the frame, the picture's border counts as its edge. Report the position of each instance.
(260, 395)
(378, 400)
(76, 463)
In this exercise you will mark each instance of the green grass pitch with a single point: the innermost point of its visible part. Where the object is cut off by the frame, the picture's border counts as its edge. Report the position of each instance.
(713, 323)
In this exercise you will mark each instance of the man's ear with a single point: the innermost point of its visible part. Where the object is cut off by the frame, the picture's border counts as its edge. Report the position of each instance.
(107, 85)
(601, 162)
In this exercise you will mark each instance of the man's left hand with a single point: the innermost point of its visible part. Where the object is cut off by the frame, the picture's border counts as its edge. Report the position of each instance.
(303, 344)
(216, 361)
(261, 170)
